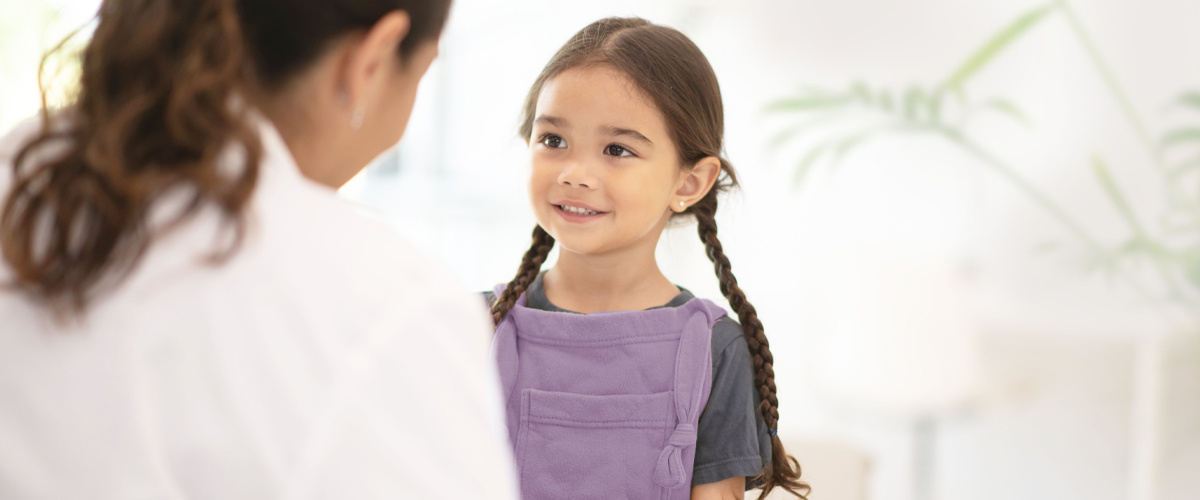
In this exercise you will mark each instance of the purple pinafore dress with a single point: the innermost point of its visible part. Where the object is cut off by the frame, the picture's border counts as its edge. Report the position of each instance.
(605, 405)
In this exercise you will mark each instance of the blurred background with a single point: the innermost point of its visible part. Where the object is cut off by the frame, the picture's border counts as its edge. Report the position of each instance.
(972, 228)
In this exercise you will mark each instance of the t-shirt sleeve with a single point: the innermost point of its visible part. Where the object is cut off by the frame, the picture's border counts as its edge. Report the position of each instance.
(733, 439)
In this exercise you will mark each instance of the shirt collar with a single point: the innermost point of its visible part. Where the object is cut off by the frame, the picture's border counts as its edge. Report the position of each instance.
(535, 298)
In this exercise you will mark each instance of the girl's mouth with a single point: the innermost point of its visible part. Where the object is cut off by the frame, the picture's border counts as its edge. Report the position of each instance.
(577, 214)
(577, 210)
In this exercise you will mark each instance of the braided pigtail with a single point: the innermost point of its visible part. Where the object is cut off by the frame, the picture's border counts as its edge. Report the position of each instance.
(531, 265)
(784, 471)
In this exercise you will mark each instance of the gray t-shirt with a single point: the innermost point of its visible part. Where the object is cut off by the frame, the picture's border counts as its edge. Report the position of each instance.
(733, 439)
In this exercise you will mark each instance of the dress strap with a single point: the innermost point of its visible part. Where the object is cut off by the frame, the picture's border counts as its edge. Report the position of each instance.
(504, 347)
(693, 383)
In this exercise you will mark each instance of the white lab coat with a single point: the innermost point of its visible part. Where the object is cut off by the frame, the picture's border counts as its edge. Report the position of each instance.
(326, 359)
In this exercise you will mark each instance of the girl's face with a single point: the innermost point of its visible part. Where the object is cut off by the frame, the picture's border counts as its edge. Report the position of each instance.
(604, 168)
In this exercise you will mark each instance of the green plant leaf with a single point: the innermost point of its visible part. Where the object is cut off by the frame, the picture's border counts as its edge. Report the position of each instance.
(1189, 99)
(806, 163)
(1192, 270)
(847, 144)
(808, 103)
(935, 107)
(1182, 214)
(916, 100)
(1104, 175)
(861, 92)
(996, 45)
(1102, 263)
(1134, 246)
(885, 100)
(1006, 107)
(1179, 136)
(1181, 169)
(784, 136)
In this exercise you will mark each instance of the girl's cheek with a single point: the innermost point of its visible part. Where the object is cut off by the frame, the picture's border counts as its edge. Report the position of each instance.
(542, 174)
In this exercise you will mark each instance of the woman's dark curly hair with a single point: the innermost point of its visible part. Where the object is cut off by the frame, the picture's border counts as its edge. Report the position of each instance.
(152, 115)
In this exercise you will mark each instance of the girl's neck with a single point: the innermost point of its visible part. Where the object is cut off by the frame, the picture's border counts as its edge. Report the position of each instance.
(587, 284)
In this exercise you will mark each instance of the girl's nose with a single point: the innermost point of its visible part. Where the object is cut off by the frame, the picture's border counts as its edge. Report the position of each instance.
(577, 174)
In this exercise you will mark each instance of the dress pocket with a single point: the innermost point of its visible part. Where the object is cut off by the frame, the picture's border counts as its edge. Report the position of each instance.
(575, 446)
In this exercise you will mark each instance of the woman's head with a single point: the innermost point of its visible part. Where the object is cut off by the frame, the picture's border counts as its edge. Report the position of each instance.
(339, 76)
(153, 114)
(624, 123)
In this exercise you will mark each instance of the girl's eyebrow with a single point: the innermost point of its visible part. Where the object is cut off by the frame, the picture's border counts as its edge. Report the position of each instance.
(553, 120)
(637, 136)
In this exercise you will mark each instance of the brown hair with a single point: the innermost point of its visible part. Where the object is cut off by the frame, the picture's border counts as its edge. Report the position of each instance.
(152, 115)
(676, 76)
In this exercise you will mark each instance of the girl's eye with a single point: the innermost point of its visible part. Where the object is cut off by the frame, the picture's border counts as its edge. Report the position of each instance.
(617, 150)
(553, 141)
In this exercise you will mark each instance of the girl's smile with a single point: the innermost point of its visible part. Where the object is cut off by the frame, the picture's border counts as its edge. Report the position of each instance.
(577, 212)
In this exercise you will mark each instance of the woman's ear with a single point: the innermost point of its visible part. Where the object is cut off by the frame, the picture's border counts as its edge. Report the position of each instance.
(367, 59)
(695, 183)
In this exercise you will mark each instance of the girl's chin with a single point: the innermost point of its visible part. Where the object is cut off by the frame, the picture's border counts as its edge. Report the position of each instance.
(577, 246)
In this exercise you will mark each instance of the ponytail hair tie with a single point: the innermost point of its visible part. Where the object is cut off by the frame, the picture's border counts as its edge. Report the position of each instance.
(772, 432)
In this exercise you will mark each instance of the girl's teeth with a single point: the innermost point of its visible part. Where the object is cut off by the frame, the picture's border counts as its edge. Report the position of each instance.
(579, 211)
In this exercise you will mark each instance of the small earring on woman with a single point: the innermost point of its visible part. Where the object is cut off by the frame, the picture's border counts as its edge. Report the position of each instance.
(356, 120)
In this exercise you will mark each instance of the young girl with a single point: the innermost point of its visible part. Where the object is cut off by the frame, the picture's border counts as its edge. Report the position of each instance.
(617, 383)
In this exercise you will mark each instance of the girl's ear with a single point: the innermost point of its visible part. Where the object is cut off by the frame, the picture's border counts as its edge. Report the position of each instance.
(695, 183)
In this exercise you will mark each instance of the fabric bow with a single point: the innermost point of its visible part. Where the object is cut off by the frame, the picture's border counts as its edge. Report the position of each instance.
(670, 472)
